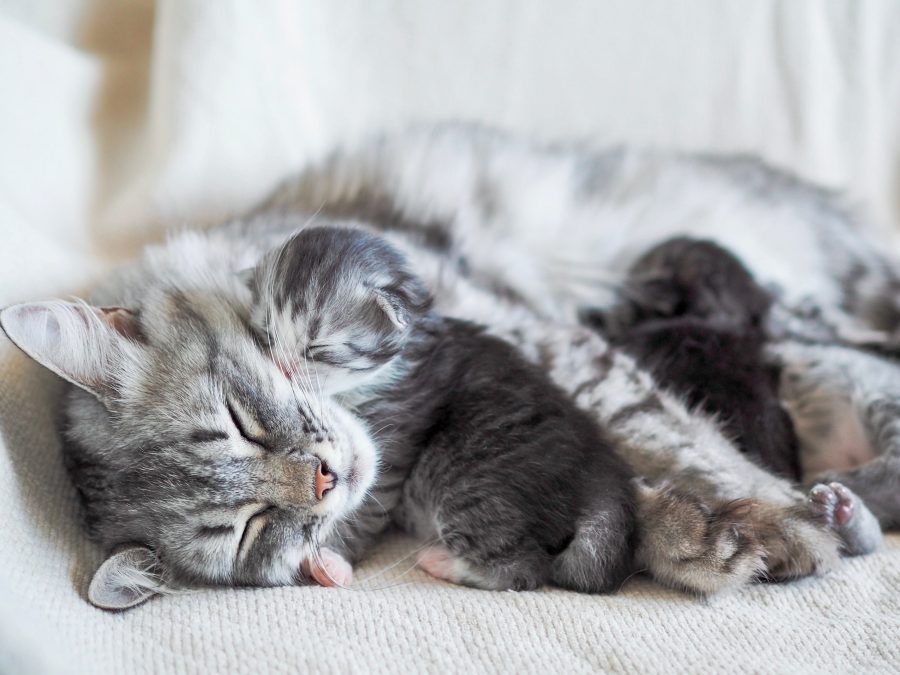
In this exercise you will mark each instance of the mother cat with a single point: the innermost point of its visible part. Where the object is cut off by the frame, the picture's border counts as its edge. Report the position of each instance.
(504, 234)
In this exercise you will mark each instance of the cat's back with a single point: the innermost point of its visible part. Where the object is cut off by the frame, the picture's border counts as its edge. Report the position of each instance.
(579, 209)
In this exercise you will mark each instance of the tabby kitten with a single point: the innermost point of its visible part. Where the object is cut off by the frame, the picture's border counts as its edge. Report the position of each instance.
(514, 486)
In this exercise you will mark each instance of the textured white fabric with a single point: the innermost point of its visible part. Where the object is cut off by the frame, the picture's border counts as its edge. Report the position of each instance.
(120, 119)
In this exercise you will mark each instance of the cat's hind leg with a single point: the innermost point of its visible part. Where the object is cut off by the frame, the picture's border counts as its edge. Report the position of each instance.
(695, 545)
(845, 405)
(837, 507)
(705, 545)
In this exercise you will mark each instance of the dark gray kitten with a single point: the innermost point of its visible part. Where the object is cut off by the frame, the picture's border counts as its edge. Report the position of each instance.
(488, 460)
(694, 316)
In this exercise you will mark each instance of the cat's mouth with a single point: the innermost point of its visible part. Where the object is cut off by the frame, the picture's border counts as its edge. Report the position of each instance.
(327, 479)
(353, 473)
(338, 489)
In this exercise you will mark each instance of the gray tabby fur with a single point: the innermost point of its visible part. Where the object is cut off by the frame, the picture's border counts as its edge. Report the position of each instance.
(506, 481)
(505, 234)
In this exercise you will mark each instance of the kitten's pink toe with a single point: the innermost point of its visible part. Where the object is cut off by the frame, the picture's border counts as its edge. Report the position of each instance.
(822, 501)
(329, 569)
(439, 562)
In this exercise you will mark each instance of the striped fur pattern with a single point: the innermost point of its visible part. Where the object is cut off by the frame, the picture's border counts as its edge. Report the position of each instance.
(198, 448)
(504, 234)
(693, 316)
(513, 485)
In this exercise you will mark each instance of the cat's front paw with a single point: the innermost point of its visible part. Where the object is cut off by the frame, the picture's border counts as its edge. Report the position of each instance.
(837, 507)
(702, 546)
(329, 569)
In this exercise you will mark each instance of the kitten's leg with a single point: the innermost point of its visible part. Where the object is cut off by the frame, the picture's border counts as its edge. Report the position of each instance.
(845, 405)
(523, 572)
(465, 552)
(600, 556)
(711, 544)
(841, 510)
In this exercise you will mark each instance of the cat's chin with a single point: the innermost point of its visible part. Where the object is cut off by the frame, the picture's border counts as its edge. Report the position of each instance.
(358, 478)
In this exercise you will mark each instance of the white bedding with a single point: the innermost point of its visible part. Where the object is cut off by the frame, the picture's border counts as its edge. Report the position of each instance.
(121, 119)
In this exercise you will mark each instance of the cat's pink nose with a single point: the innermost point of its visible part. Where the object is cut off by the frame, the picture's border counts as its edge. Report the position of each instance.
(325, 480)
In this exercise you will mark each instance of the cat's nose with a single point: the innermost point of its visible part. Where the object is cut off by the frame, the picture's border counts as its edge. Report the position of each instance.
(325, 480)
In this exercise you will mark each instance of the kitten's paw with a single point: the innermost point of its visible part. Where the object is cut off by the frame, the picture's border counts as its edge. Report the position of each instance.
(702, 547)
(440, 563)
(329, 569)
(837, 507)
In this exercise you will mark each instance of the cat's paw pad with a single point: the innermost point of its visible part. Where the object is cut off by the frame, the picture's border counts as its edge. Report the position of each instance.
(832, 504)
(329, 569)
(838, 508)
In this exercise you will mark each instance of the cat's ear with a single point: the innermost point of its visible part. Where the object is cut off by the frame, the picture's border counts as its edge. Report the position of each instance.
(88, 346)
(393, 308)
(127, 578)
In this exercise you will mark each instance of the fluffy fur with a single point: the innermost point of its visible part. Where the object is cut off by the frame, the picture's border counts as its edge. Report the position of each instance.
(508, 235)
(513, 484)
(693, 316)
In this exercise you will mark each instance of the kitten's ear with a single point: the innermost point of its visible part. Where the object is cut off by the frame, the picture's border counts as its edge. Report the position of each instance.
(127, 578)
(393, 308)
(88, 346)
(405, 302)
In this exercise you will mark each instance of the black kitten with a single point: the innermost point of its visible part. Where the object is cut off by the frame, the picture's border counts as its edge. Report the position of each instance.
(693, 315)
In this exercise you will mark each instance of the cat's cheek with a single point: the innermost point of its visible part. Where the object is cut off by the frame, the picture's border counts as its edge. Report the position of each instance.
(283, 569)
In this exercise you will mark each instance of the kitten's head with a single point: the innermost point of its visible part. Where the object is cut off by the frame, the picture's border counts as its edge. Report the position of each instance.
(188, 444)
(336, 305)
(686, 277)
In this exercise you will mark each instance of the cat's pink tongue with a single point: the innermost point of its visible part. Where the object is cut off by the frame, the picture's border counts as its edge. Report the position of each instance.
(329, 569)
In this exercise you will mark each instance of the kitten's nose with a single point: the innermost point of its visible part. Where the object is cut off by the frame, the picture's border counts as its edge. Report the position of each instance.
(325, 480)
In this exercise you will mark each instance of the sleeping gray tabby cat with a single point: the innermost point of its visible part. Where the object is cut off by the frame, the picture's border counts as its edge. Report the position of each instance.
(171, 382)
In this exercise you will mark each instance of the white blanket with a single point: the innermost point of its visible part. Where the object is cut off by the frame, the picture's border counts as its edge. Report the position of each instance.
(121, 119)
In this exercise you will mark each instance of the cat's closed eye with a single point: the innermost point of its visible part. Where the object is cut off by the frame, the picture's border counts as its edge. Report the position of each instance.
(253, 526)
(246, 425)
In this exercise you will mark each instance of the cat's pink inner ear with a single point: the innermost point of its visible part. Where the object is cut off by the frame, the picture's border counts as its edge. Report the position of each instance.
(392, 311)
(121, 320)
